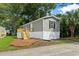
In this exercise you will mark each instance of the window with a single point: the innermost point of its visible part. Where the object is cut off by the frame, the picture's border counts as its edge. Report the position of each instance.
(51, 24)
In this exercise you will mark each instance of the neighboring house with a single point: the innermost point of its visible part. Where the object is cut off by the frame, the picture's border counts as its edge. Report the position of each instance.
(46, 28)
(2, 32)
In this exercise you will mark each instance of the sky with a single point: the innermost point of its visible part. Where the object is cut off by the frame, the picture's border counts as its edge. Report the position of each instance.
(62, 8)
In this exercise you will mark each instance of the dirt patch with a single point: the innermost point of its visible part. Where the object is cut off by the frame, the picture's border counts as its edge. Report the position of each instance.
(19, 42)
(36, 42)
(29, 42)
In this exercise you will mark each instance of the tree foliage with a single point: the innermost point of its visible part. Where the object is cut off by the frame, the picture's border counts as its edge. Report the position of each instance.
(69, 24)
(34, 11)
(12, 16)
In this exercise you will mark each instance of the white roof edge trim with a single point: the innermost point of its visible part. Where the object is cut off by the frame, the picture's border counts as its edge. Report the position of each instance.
(42, 18)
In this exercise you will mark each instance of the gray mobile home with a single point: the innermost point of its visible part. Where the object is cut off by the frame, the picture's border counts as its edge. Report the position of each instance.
(46, 28)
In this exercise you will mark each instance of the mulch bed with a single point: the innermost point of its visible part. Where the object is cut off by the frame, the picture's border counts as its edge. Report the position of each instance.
(29, 42)
(19, 42)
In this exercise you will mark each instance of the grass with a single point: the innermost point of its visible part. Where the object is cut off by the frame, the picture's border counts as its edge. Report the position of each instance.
(61, 41)
(5, 43)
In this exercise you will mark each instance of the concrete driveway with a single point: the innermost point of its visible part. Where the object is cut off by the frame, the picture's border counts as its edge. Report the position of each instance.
(53, 50)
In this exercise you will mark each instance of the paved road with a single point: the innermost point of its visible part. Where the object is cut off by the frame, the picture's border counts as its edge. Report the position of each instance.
(53, 50)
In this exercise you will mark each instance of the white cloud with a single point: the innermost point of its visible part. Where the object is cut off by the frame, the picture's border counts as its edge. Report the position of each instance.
(69, 8)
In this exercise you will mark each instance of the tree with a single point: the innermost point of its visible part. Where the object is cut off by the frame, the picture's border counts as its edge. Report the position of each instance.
(15, 15)
(72, 19)
(12, 15)
(34, 11)
(64, 31)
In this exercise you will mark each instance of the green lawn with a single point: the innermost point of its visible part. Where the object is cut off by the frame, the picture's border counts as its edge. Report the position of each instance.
(5, 43)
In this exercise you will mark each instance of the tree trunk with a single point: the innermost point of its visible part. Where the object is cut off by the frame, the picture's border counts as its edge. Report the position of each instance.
(72, 33)
(72, 29)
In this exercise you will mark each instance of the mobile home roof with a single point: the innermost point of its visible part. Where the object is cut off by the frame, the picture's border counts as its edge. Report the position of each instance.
(44, 18)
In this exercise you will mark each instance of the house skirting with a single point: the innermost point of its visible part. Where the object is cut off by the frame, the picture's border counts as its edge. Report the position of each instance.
(36, 35)
(46, 35)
